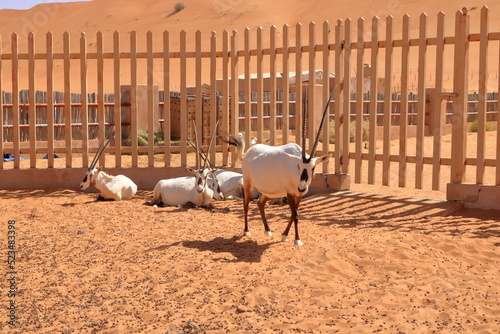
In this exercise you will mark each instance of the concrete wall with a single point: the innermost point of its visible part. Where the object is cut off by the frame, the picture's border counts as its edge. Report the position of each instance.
(145, 178)
(474, 195)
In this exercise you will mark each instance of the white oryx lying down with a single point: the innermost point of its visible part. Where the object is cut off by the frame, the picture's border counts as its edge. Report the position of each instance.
(230, 184)
(184, 190)
(188, 189)
(278, 171)
(111, 187)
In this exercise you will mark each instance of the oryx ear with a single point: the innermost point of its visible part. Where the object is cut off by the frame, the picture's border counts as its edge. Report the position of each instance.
(191, 170)
(321, 159)
(294, 158)
(213, 170)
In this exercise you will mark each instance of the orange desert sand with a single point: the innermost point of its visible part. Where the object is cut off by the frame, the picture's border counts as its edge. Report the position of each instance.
(375, 259)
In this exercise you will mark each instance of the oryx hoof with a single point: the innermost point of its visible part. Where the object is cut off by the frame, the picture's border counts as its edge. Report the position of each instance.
(298, 243)
(247, 234)
(268, 233)
(284, 238)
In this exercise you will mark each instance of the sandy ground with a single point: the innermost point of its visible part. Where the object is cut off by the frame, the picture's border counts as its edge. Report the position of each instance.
(370, 263)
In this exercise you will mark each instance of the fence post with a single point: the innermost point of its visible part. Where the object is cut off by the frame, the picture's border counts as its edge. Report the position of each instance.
(15, 102)
(340, 117)
(459, 118)
(142, 108)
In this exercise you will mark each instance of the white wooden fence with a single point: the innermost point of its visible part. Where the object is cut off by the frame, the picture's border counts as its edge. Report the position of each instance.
(230, 70)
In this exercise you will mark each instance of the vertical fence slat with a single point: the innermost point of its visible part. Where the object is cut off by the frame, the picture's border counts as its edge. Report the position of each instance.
(100, 94)
(151, 100)
(326, 91)
(373, 102)
(440, 108)
(67, 100)
(497, 168)
(298, 83)
(118, 99)
(1, 107)
(234, 91)
(15, 101)
(285, 85)
(272, 86)
(339, 97)
(422, 52)
(50, 98)
(386, 152)
(199, 99)
(260, 86)
(248, 88)
(133, 96)
(84, 109)
(360, 53)
(311, 89)
(32, 100)
(459, 118)
(346, 99)
(403, 113)
(225, 95)
(166, 93)
(183, 115)
(481, 111)
(214, 105)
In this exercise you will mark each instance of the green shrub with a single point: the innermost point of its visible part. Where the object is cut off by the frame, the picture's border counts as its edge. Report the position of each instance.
(178, 7)
(475, 125)
(352, 131)
(142, 139)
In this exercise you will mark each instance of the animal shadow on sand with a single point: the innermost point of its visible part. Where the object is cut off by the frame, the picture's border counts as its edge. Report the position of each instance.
(246, 251)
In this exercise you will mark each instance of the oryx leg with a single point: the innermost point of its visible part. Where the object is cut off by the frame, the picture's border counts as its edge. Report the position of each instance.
(294, 206)
(247, 192)
(262, 205)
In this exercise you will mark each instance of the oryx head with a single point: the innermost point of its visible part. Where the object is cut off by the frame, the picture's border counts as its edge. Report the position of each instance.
(92, 172)
(215, 186)
(202, 173)
(307, 162)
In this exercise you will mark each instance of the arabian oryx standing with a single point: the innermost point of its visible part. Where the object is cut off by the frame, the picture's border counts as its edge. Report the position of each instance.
(183, 190)
(277, 171)
(111, 187)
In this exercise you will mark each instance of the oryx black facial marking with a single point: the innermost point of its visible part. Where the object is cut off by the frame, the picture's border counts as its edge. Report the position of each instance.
(304, 176)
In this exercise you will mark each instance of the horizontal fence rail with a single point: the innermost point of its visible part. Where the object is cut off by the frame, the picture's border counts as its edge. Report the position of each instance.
(382, 118)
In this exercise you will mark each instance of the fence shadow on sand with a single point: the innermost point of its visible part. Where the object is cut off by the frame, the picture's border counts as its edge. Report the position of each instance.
(366, 210)
(349, 209)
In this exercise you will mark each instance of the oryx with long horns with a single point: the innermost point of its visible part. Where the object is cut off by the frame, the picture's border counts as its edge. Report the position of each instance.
(188, 189)
(111, 187)
(278, 171)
